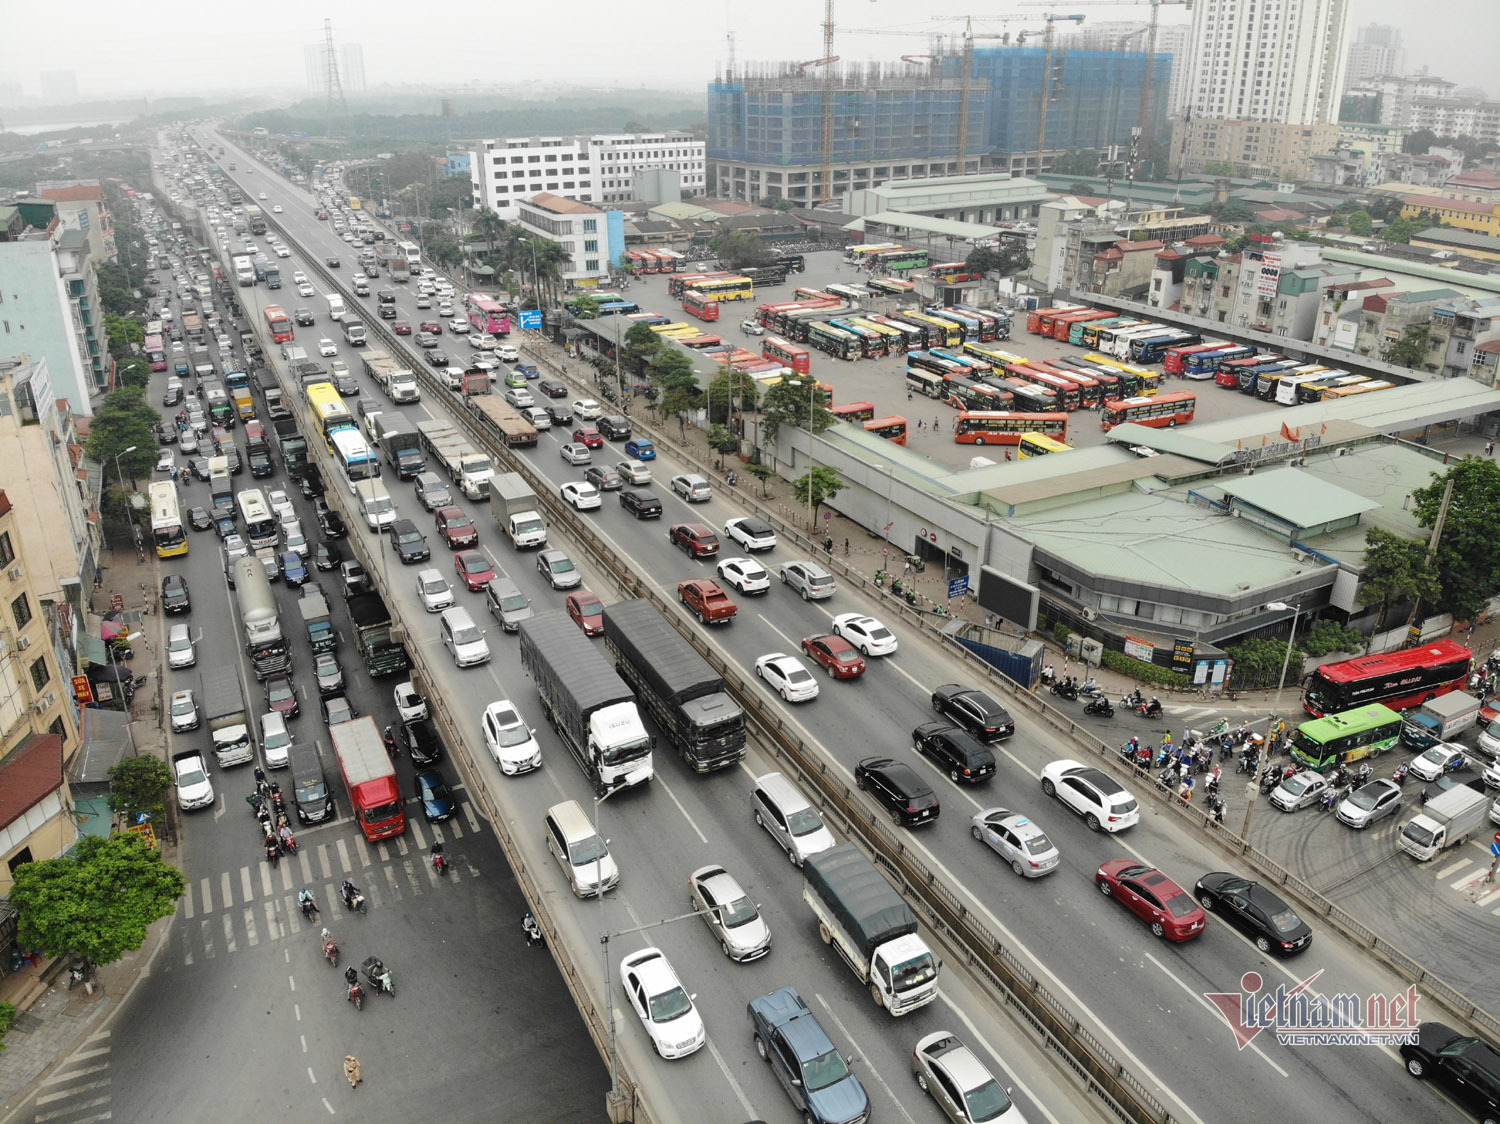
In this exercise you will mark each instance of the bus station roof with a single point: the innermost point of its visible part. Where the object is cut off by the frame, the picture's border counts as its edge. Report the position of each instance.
(901, 220)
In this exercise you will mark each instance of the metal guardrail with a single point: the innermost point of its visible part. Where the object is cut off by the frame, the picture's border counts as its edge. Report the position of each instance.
(1120, 1090)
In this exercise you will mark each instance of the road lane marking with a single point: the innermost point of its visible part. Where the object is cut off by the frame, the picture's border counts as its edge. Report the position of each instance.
(229, 942)
(871, 1070)
(1203, 1002)
(667, 788)
(1447, 870)
(224, 891)
(729, 1076)
(245, 891)
(1037, 1103)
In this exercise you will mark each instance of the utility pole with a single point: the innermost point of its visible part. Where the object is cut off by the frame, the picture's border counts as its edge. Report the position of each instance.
(331, 77)
(1414, 630)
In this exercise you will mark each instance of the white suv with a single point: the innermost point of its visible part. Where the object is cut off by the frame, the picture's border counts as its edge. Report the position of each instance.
(511, 743)
(1101, 800)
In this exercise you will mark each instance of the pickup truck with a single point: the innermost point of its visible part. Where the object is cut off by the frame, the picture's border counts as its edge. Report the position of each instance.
(707, 599)
(805, 1061)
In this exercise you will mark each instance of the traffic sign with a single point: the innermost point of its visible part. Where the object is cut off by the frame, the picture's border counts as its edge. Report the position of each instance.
(530, 319)
(1495, 849)
(957, 587)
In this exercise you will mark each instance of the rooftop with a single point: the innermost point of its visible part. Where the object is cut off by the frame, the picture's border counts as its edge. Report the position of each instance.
(1296, 497)
(29, 775)
(903, 220)
(76, 194)
(560, 205)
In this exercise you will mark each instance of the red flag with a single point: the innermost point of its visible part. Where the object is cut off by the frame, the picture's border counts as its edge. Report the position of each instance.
(1324, 429)
(1286, 431)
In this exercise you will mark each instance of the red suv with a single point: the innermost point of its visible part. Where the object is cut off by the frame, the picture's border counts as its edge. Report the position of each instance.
(456, 528)
(589, 436)
(695, 538)
(707, 599)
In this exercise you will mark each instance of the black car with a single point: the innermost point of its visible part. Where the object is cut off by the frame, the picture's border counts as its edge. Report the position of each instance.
(964, 758)
(437, 357)
(166, 433)
(1255, 911)
(614, 427)
(559, 412)
(974, 711)
(437, 802)
(552, 388)
(409, 543)
(311, 483)
(174, 594)
(333, 263)
(336, 709)
(199, 467)
(1467, 1069)
(173, 396)
(643, 505)
(260, 463)
(330, 522)
(909, 799)
(230, 452)
(420, 739)
(387, 312)
(200, 519)
(303, 317)
(326, 556)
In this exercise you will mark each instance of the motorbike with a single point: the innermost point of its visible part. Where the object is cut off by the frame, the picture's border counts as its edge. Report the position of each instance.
(273, 853)
(1150, 709)
(1269, 781)
(896, 587)
(1065, 689)
(532, 930)
(354, 901)
(356, 995)
(1091, 689)
(330, 948)
(1099, 705)
(439, 859)
(309, 907)
(379, 976)
(1399, 776)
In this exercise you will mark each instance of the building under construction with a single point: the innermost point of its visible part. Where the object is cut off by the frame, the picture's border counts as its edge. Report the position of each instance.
(766, 123)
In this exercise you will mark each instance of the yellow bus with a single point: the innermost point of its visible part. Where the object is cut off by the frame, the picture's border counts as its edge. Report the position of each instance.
(953, 335)
(329, 409)
(167, 530)
(354, 202)
(1334, 392)
(895, 340)
(1148, 380)
(1039, 445)
(726, 289)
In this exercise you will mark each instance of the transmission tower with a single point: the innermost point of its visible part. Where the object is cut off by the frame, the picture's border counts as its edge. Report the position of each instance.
(336, 104)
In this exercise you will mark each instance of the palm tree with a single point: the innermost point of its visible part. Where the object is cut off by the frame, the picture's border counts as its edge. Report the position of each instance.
(489, 224)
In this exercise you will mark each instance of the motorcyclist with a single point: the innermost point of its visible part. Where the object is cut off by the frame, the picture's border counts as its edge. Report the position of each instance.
(273, 852)
(329, 944)
(1048, 675)
(309, 906)
(285, 834)
(439, 857)
(532, 930)
(390, 741)
(1154, 706)
(348, 891)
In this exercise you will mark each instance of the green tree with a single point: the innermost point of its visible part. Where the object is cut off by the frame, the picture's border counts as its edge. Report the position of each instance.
(586, 307)
(1006, 259)
(723, 442)
(790, 403)
(1400, 228)
(7, 1016)
(1412, 349)
(133, 372)
(739, 249)
(677, 401)
(1468, 566)
(1361, 224)
(731, 391)
(1395, 571)
(673, 370)
(97, 903)
(763, 473)
(124, 335)
(641, 341)
(1328, 637)
(140, 785)
(489, 225)
(125, 419)
(1257, 663)
(817, 486)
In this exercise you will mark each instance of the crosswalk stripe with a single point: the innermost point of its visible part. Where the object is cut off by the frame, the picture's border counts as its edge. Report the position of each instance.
(469, 815)
(245, 891)
(367, 858)
(208, 941)
(230, 944)
(327, 866)
(1461, 883)
(414, 829)
(225, 891)
(304, 864)
(265, 879)
(206, 893)
(252, 935)
(275, 930)
(95, 1103)
(1491, 896)
(1447, 870)
(187, 901)
(344, 863)
(75, 1090)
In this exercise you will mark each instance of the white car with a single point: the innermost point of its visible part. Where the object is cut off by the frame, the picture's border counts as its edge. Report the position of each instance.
(305, 289)
(276, 210)
(433, 590)
(729, 914)
(297, 542)
(508, 352)
(752, 327)
(510, 741)
(1102, 801)
(787, 676)
(582, 496)
(634, 472)
(166, 461)
(235, 548)
(184, 711)
(410, 706)
(586, 409)
(424, 300)
(326, 348)
(1017, 840)
(866, 633)
(194, 789)
(1300, 790)
(299, 278)
(1436, 761)
(458, 326)
(745, 574)
(663, 1005)
(445, 308)
(750, 531)
(481, 342)
(283, 252)
(262, 195)
(180, 652)
(574, 452)
(281, 504)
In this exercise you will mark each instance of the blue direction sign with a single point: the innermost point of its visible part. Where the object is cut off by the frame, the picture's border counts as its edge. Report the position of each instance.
(957, 587)
(530, 319)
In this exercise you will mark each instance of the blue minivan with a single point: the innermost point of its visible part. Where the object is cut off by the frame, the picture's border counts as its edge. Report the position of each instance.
(640, 449)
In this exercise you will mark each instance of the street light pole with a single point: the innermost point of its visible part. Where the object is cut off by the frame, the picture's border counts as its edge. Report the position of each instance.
(129, 513)
(604, 935)
(1253, 790)
(130, 637)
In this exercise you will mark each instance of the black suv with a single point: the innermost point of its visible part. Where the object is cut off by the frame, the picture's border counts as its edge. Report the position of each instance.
(303, 316)
(410, 544)
(909, 799)
(1468, 1069)
(974, 711)
(330, 522)
(614, 427)
(174, 595)
(962, 757)
(643, 505)
(388, 312)
(420, 739)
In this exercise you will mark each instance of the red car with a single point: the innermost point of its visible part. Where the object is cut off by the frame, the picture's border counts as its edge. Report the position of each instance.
(401, 328)
(281, 696)
(708, 599)
(840, 658)
(456, 528)
(589, 436)
(474, 569)
(695, 538)
(432, 326)
(1153, 897)
(587, 612)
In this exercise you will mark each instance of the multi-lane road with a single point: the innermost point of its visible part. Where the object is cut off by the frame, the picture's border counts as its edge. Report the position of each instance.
(1145, 1000)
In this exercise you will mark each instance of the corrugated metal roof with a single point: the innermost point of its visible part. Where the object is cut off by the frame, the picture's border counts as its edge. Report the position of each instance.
(1296, 497)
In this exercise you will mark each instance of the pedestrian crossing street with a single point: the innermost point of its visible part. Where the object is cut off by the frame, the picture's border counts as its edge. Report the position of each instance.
(257, 904)
(77, 1092)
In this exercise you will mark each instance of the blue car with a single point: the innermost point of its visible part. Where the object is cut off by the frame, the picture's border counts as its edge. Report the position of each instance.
(293, 568)
(640, 449)
(437, 801)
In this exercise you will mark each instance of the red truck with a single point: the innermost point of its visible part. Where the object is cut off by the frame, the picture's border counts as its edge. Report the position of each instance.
(374, 793)
(707, 599)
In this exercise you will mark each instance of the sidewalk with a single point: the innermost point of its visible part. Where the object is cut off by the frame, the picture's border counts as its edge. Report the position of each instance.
(52, 1021)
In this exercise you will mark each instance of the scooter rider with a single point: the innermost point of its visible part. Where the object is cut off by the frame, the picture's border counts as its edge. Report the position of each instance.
(348, 891)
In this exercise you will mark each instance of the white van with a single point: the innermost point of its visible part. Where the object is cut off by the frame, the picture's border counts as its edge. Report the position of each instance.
(275, 741)
(463, 637)
(779, 806)
(583, 856)
(374, 503)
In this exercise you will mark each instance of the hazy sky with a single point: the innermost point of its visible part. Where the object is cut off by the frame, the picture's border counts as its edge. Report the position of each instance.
(170, 46)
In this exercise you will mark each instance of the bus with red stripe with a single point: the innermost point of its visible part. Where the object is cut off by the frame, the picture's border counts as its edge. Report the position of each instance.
(1160, 411)
(696, 304)
(787, 354)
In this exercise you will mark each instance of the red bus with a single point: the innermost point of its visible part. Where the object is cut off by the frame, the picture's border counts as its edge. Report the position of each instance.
(1062, 326)
(1162, 411)
(892, 428)
(1005, 427)
(1396, 679)
(279, 324)
(696, 304)
(1090, 390)
(1172, 363)
(155, 351)
(1069, 394)
(1228, 373)
(854, 411)
(790, 355)
(1035, 318)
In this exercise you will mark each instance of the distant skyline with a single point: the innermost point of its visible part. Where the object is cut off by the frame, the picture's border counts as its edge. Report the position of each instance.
(192, 49)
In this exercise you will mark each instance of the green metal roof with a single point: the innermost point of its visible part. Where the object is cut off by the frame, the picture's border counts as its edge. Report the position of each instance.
(1296, 497)
(907, 221)
(1170, 441)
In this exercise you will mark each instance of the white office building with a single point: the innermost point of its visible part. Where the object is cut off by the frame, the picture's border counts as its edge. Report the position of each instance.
(1375, 52)
(598, 170)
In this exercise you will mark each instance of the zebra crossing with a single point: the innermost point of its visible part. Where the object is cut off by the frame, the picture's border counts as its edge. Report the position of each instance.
(1469, 878)
(237, 910)
(78, 1091)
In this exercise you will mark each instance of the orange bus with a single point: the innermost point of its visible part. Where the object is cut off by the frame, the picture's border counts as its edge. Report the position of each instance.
(1062, 326)
(1161, 411)
(279, 324)
(1006, 427)
(787, 354)
(1039, 320)
(892, 428)
(696, 304)
(853, 411)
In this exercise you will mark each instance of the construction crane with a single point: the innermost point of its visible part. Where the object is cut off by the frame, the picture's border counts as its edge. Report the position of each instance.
(968, 72)
(1041, 125)
(1155, 6)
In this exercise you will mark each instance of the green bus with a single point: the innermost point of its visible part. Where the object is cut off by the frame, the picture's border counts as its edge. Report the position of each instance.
(1337, 739)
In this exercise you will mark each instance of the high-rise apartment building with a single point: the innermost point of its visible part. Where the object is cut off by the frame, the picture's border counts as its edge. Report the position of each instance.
(1264, 80)
(59, 87)
(597, 169)
(1375, 52)
(1127, 35)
